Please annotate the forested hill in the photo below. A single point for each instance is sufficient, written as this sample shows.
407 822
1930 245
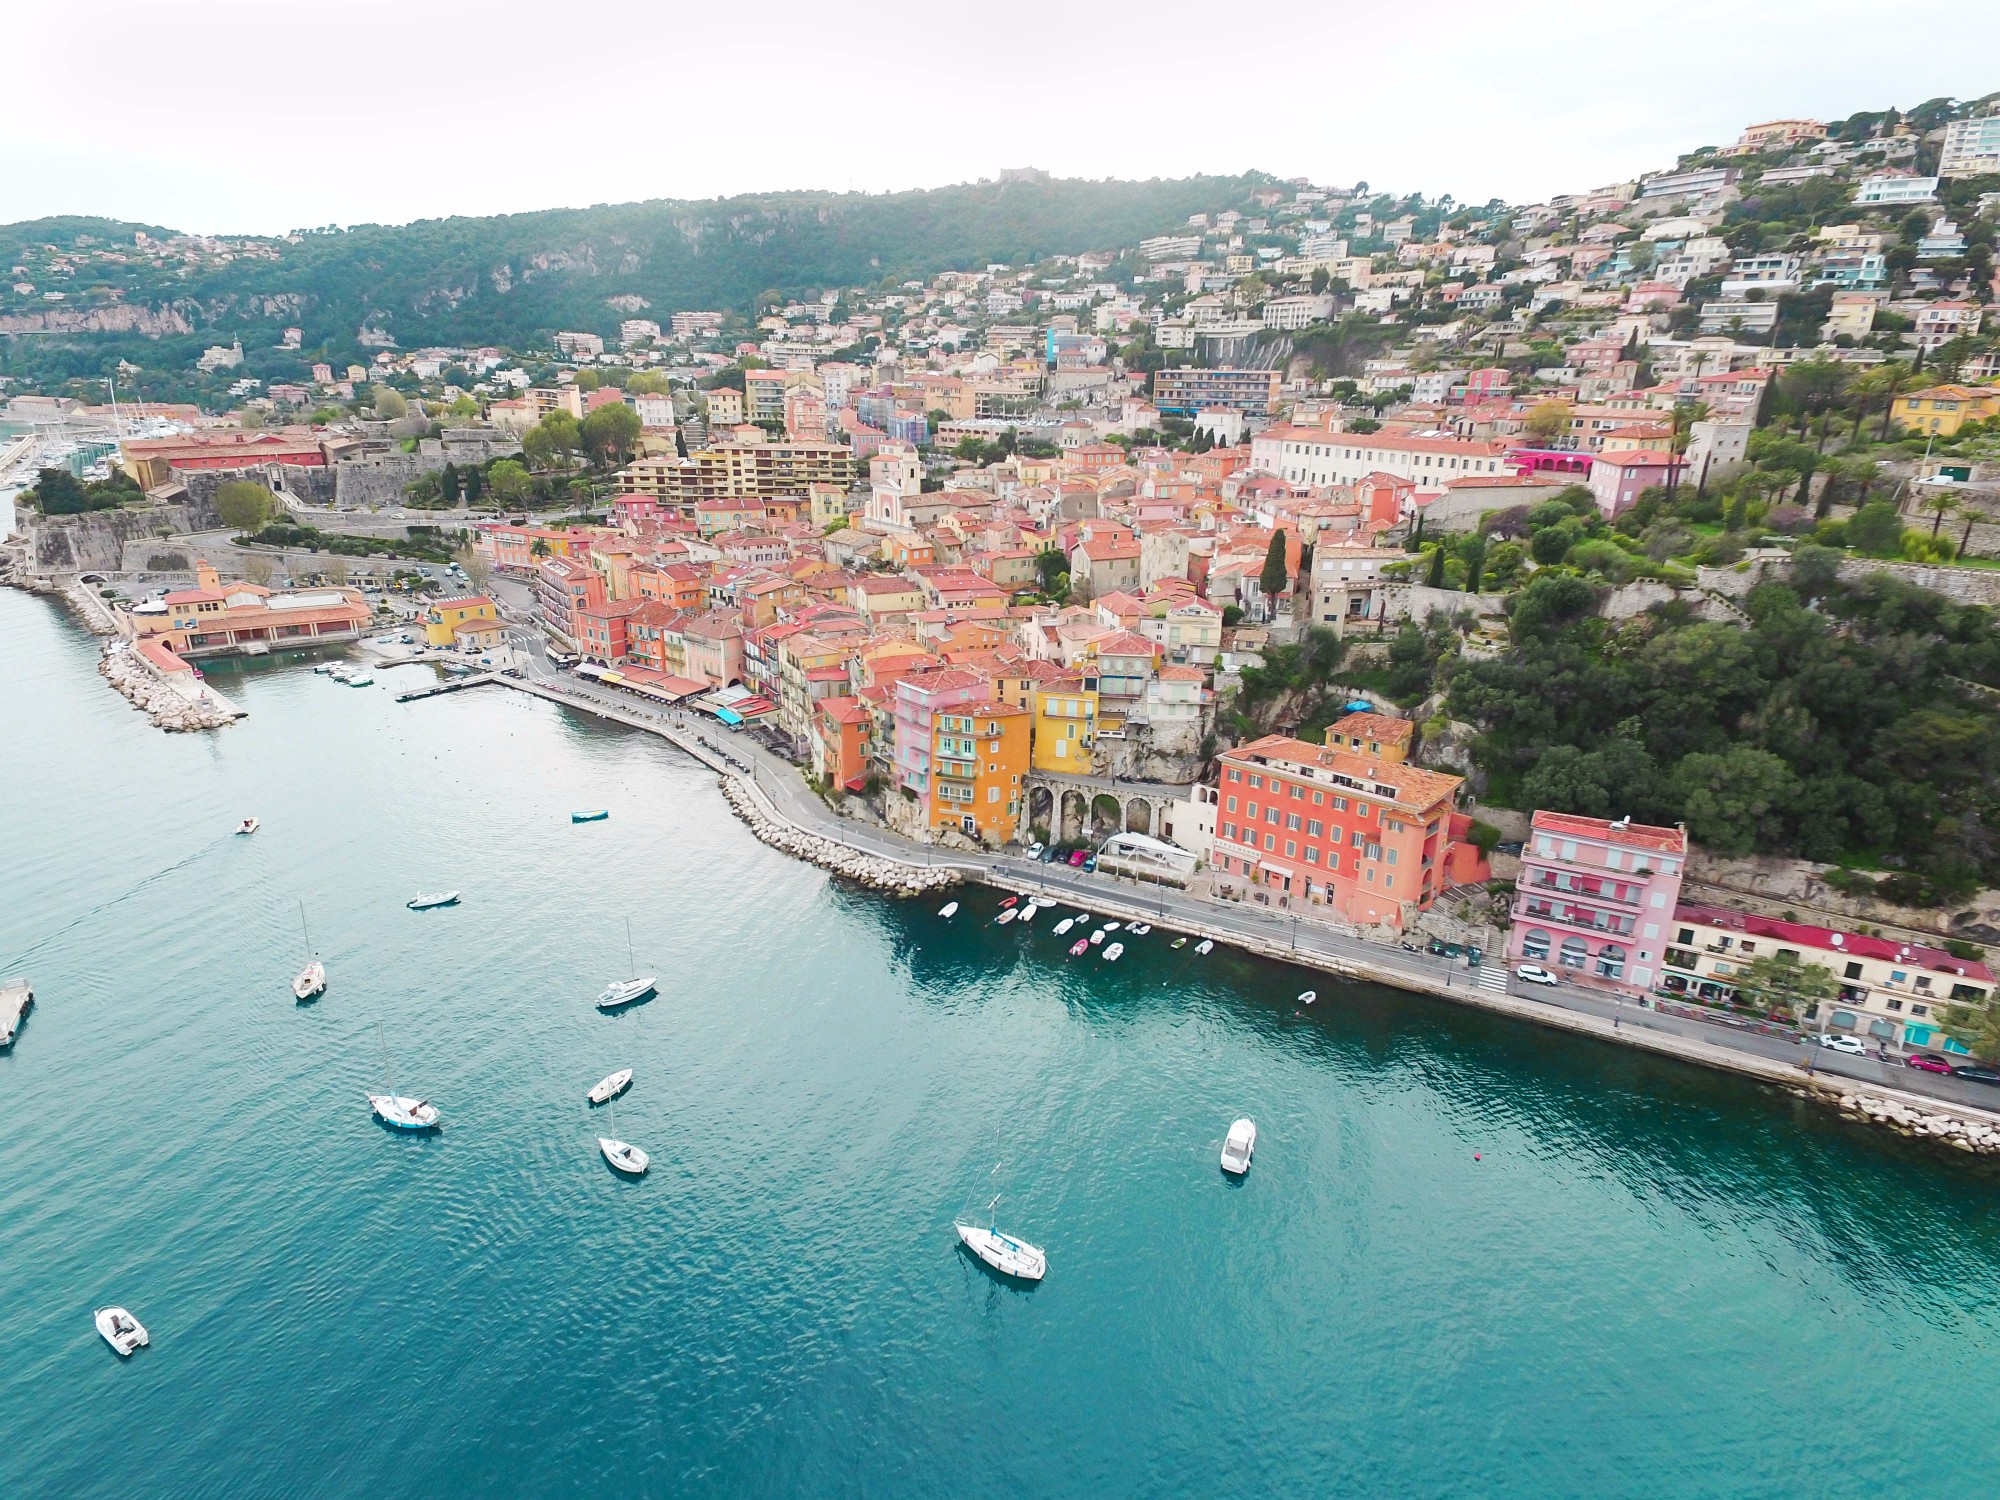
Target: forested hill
501 280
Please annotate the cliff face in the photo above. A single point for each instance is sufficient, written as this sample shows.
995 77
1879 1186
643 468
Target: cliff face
96 542
116 318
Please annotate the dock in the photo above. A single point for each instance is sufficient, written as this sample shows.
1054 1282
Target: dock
450 685
16 998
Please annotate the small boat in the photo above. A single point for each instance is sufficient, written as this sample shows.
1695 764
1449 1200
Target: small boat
323 668
1010 900
625 991
1114 952
1110 926
421 902
395 1109
610 1088
1306 997
590 815
121 1330
1004 1253
1028 912
1098 936
1179 942
1139 929
1064 925
948 910
1236 1149
1081 945
310 982
359 679
626 1157
337 672
1007 915
1205 945
248 825
1083 919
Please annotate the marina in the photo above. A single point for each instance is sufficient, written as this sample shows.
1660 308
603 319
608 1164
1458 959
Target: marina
861 1062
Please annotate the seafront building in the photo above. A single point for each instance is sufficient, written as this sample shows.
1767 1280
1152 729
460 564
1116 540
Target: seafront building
215 618
1595 898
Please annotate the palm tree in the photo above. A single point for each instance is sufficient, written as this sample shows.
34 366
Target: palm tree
1685 415
1940 504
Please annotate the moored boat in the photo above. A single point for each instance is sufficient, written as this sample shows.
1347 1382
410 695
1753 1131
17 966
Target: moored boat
1306 997
1237 1148
1110 926
1081 945
590 815
625 991
421 902
121 1330
1114 952
607 1089
625 1156
1204 945
1139 929
310 982
1005 917
1179 942
1028 912
1064 925
397 1110
359 679
948 910
1098 936
1004 1253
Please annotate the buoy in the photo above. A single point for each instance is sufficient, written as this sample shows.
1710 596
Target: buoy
1475 1156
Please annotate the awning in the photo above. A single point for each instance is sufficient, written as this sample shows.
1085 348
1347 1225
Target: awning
729 716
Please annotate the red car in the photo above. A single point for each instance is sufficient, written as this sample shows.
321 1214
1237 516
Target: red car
1077 856
1929 1062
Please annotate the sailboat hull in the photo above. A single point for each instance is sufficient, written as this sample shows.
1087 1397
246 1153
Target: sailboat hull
311 982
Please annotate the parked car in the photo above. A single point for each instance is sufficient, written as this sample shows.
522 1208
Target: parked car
1535 974
1978 1072
1076 856
1089 864
1851 1045
1927 1062
1035 849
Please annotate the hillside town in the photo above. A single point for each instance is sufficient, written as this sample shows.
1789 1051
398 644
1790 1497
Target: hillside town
1149 555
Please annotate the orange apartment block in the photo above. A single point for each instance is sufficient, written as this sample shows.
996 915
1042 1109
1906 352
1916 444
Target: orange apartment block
979 762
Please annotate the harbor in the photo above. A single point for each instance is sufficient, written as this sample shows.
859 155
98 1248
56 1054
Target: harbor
822 1058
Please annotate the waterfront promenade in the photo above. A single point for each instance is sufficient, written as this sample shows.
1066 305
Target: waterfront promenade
785 797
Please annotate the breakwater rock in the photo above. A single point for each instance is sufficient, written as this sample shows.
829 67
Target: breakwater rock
1929 1124
876 871
168 708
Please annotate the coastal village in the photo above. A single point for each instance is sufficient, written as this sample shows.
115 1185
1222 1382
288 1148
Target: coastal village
1007 559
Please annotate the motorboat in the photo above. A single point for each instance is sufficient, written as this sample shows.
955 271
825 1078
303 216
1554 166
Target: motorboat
337 672
1083 919
607 1089
1006 916
359 679
1110 926
625 991
248 825
626 1157
1236 1149
1114 952
1004 1253
403 1113
1081 945
1306 997
310 982
121 1330
323 668
1139 929
1028 912
1064 925
1010 901
1098 936
1179 942
948 910
590 815
1205 945
421 902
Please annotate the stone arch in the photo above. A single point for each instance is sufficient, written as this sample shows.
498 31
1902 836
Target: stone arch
1104 814
1075 808
1139 816
1041 808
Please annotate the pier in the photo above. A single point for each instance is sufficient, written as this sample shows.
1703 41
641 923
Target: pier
449 685
16 998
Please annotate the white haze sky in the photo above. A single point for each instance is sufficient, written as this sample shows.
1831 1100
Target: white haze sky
223 116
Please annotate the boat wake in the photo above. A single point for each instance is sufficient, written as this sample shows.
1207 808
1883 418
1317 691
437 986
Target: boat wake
143 884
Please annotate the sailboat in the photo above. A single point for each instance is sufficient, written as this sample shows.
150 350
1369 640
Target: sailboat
625 991
623 1155
394 1109
1004 1253
310 982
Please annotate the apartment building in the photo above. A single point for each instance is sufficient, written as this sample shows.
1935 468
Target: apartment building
1971 148
979 761
1186 391
1371 840
1065 727
740 471
1891 992
1595 899
1311 455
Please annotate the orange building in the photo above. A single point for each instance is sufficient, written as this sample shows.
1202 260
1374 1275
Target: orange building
840 743
1368 835
979 760
215 618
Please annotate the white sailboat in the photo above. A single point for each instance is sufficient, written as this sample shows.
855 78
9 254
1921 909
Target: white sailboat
1004 1253
625 991
310 982
623 1155
395 1109
610 1088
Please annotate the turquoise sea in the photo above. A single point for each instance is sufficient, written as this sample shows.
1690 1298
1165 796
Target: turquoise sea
1472 1258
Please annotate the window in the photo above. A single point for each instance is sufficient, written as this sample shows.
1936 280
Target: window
1271 815
1853 971
1313 828
1229 830
1232 804
1611 961
1681 958
1332 861
1291 849
1340 804
1256 780
1250 809
1392 856
1271 841
1294 791
1920 1010
1318 797
1292 821
1312 855
1574 953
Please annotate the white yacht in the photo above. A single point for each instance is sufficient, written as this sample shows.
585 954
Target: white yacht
610 1088
625 991
310 982
1004 1253
624 1156
1236 1149
121 1330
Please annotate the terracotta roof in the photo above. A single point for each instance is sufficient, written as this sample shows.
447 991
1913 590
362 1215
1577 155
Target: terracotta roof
1633 835
1405 785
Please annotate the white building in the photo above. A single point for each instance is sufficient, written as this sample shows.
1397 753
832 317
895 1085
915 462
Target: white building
1971 148
1309 455
1297 312
1886 188
637 330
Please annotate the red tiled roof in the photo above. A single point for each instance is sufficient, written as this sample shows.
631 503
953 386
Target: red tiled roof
1809 935
1633 835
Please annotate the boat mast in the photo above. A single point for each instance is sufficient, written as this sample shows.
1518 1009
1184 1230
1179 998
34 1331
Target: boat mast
631 963
307 930
383 1042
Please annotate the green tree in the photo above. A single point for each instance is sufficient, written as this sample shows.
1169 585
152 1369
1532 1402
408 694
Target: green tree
1775 983
1876 530
58 492
388 403
1434 575
610 433
244 506
450 487
1273 578
1734 802
551 442
1475 562
1975 1025
508 480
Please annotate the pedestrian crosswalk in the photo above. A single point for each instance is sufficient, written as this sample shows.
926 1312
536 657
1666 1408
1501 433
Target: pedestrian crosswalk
1493 977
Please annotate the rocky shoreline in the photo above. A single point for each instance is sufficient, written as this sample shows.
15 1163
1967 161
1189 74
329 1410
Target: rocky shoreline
1925 1124
168 709
872 870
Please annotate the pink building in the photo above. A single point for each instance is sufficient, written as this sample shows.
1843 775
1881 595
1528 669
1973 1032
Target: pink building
1595 899
1617 478
920 697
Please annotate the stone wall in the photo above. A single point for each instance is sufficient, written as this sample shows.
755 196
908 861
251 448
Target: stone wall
1417 601
96 542
1965 585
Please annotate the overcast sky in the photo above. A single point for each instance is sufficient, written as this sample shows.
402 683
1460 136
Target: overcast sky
266 115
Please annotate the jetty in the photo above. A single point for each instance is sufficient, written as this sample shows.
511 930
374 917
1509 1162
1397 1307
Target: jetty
17 997
449 685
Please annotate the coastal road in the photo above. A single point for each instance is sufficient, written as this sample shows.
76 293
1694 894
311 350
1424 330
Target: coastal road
780 783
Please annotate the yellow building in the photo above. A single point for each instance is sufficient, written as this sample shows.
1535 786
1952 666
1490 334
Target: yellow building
829 504
441 620
1943 409
1065 727
979 760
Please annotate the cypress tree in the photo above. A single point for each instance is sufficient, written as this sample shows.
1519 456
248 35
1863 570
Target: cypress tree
1272 579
